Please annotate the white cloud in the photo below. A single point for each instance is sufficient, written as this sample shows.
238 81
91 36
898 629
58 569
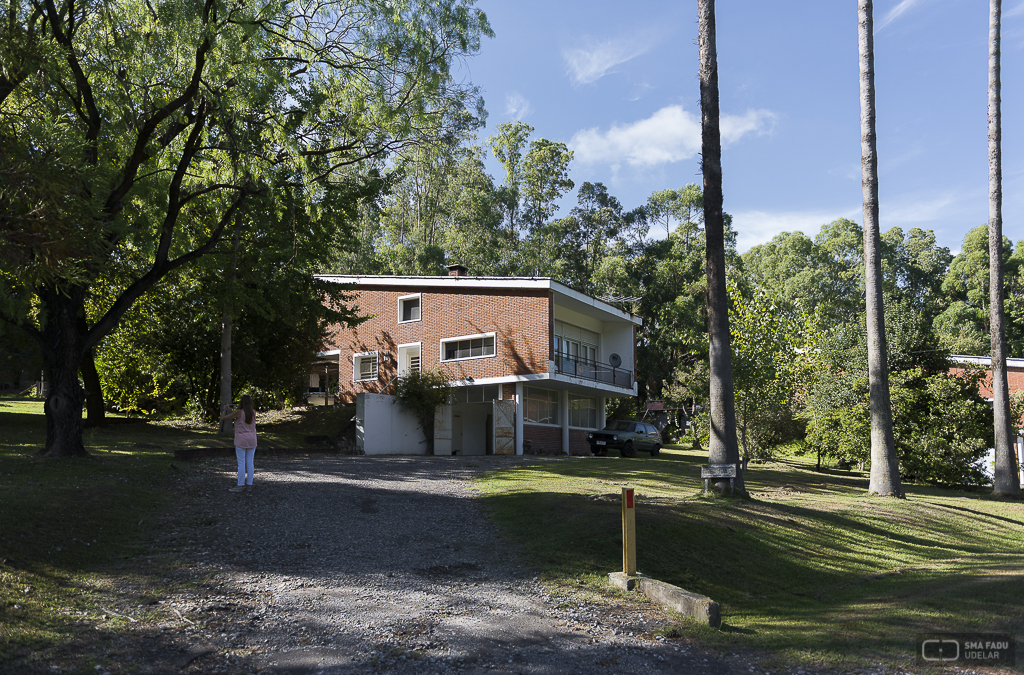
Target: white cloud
759 227
592 62
928 211
671 134
516 106
1016 11
897 11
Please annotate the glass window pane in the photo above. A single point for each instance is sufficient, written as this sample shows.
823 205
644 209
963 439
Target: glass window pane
411 309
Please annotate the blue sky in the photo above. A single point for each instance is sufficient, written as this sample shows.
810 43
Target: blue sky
618 83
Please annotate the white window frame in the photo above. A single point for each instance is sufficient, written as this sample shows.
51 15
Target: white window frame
355 367
402 299
419 348
493 335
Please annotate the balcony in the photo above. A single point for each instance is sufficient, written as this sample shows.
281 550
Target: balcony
589 369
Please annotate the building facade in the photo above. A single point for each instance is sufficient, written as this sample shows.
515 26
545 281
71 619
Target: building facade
529 349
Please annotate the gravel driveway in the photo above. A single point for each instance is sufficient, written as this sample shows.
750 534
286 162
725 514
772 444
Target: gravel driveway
380 565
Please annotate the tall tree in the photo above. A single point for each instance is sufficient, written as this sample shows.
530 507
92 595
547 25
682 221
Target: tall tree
159 120
1006 480
885 475
723 448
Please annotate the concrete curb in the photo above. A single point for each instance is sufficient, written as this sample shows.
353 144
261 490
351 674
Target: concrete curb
699 607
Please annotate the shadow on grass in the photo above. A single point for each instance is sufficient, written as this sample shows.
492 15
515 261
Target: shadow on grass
835 573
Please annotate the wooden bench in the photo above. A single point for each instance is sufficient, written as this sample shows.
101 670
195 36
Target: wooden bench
709 471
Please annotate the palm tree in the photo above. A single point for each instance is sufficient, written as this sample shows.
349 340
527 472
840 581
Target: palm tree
885 475
1006 481
723 448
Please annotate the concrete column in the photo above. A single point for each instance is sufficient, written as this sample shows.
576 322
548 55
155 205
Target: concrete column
1020 457
563 417
600 412
520 408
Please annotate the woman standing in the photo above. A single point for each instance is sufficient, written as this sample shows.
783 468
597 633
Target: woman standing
245 441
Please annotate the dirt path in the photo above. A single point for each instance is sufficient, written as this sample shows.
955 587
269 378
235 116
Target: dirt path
372 565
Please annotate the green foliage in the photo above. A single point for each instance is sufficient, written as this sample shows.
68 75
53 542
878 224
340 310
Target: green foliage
941 425
423 392
765 363
137 133
963 326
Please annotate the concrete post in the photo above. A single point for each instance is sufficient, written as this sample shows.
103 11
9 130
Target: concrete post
600 412
628 533
563 404
520 409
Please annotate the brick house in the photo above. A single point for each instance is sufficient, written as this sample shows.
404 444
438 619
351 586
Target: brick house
528 353
1015 382
1014 372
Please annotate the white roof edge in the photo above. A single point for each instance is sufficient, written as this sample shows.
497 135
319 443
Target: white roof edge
984 360
329 352
542 283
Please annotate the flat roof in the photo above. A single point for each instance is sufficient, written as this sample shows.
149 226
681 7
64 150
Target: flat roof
574 299
985 360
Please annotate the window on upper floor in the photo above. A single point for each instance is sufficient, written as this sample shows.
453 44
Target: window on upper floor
364 367
467 347
410 308
575 349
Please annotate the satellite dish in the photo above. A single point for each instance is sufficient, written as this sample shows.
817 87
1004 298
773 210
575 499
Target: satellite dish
615 360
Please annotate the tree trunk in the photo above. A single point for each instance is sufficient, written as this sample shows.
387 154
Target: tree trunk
226 426
723 448
885 475
62 358
96 413
1006 481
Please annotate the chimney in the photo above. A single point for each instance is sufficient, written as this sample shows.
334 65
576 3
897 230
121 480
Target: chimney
457 270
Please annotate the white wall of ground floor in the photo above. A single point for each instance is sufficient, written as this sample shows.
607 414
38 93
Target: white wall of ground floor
385 427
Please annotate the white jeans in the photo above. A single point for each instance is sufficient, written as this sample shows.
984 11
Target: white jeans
245 470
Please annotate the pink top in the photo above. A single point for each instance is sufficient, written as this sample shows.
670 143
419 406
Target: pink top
245 434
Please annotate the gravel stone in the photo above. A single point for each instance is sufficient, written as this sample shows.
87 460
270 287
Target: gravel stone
385 565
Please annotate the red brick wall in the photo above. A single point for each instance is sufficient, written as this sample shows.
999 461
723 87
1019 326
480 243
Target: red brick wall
545 440
1014 377
578 443
519 318
548 440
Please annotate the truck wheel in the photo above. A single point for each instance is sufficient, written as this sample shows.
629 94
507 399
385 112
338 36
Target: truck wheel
627 450
655 449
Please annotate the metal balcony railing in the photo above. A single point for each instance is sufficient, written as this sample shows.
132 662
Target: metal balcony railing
592 370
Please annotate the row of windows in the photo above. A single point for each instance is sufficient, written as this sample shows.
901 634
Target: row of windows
542 407
365 366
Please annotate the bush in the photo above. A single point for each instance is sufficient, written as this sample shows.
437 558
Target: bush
422 392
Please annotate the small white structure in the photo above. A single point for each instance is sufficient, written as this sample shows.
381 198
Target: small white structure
395 429
385 427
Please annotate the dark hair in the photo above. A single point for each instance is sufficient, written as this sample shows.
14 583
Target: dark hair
247 407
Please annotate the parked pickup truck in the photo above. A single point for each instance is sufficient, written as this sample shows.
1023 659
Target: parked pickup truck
627 437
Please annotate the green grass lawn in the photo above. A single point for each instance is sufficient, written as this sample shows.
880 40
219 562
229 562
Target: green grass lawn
64 522
810 569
